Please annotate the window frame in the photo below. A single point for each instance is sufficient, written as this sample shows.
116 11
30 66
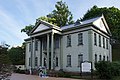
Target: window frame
57 43
80 39
36 45
56 61
36 61
95 39
99 40
96 58
106 43
80 59
68 61
103 42
30 47
68 40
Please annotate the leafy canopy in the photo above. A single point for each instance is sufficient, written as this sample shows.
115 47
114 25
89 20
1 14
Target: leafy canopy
112 16
17 55
61 16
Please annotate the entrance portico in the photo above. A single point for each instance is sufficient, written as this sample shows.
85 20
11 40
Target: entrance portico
46 37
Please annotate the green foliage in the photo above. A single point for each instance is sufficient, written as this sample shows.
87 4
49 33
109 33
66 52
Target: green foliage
27 29
112 16
17 55
3 50
4 59
48 19
62 14
107 70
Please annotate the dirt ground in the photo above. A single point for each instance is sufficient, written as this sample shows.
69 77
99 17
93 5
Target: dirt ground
16 76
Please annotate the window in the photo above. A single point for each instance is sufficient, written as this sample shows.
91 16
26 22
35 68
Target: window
100 58
107 58
44 44
103 42
68 60
106 43
103 58
29 47
36 61
95 58
80 39
56 61
36 45
95 39
68 40
57 43
80 59
44 62
99 41
29 61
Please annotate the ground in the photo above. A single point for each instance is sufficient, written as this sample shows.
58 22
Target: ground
16 76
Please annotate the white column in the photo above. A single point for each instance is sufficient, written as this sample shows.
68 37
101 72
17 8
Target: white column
52 49
47 51
33 54
61 53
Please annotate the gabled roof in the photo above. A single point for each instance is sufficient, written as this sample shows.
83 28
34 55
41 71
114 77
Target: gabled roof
98 22
43 25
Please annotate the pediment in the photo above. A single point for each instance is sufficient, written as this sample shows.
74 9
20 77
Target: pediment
102 25
41 27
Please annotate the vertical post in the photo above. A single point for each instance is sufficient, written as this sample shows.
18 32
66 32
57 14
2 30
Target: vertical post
52 49
47 51
61 53
33 61
31 47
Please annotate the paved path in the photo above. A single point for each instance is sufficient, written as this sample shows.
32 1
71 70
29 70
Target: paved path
16 76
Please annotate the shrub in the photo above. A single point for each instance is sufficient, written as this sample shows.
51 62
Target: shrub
106 70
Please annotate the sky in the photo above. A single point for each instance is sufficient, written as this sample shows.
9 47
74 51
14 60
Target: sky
16 14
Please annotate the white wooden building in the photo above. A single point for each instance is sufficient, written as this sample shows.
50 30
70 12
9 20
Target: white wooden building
64 48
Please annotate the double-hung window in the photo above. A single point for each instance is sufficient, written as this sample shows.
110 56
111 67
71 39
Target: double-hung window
106 43
56 61
68 60
99 41
36 45
95 39
80 39
36 61
68 40
80 59
30 47
95 58
103 42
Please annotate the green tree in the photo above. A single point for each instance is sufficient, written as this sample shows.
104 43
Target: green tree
61 16
27 29
112 16
4 58
16 55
